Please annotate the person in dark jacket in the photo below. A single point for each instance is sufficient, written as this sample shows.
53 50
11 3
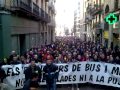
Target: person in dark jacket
32 83
2 73
117 60
13 53
15 61
33 68
3 86
50 74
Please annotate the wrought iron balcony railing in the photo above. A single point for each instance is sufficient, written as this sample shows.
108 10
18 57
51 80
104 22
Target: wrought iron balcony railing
35 9
42 14
28 9
47 17
89 8
51 6
52 22
24 6
98 25
96 9
20 5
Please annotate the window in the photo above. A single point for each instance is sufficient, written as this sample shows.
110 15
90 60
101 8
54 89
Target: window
116 4
107 9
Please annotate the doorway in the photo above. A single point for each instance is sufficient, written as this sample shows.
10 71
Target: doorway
22 43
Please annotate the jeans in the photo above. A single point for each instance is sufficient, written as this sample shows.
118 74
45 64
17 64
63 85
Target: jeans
52 86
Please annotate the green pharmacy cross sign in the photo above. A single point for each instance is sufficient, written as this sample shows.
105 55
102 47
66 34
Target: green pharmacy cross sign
111 18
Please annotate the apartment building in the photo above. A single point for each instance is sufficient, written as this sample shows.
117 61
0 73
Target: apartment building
112 32
94 19
96 11
25 24
77 20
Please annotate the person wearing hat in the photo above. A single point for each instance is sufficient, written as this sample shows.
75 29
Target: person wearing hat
50 74
33 68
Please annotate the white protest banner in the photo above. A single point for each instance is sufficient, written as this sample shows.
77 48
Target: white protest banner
15 77
79 72
103 73
71 73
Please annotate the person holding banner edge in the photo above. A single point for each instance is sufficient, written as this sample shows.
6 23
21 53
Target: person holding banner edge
3 86
33 68
50 74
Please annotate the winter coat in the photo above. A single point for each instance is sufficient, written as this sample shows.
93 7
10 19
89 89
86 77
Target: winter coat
50 73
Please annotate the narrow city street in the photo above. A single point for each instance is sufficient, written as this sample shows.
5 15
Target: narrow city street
59 44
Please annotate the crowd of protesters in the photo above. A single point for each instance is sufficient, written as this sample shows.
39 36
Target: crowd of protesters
66 50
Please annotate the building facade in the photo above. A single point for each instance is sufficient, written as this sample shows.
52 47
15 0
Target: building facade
77 20
25 24
100 31
94 19
112 32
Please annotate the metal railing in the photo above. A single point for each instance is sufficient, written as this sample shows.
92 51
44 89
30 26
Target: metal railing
51 6
25 6
44 16
96 9
47 17
42 13
35 9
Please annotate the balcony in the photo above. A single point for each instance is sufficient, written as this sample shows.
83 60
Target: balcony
44 16
89 8
35 9
27 10
52 23
97 9
25 6
89 17
19 5
51 6
98 26
47 18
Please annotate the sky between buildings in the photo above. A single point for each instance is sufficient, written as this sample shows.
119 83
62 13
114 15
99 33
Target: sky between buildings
65 14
